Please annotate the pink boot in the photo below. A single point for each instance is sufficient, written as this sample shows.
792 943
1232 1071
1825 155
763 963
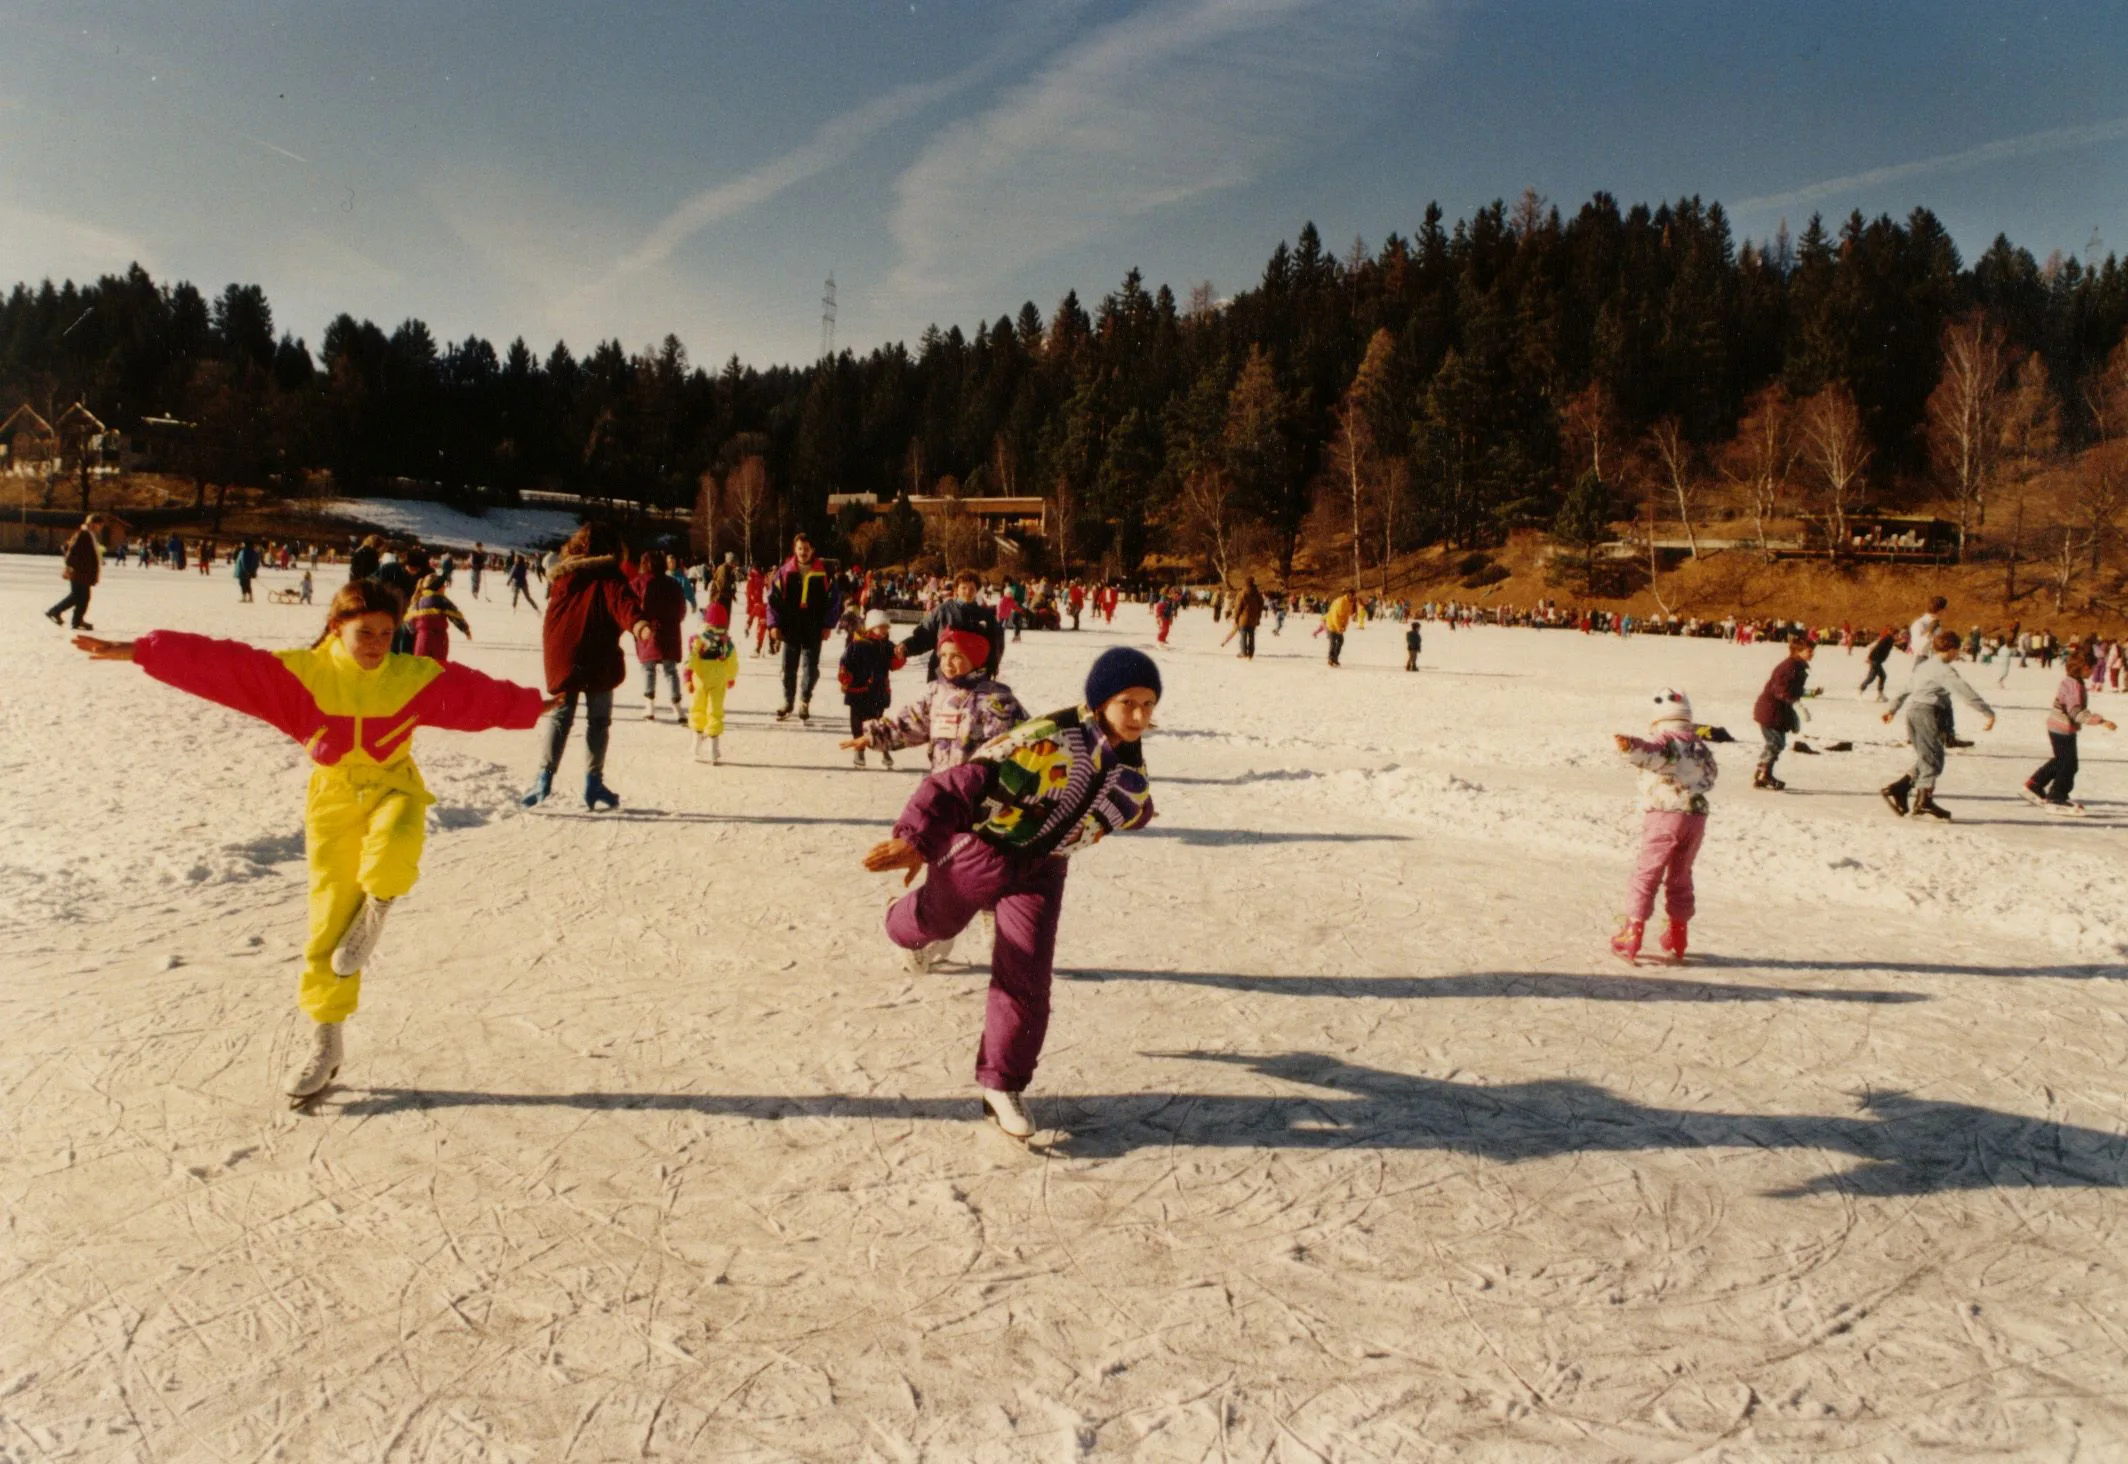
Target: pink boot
1673 942
1626 944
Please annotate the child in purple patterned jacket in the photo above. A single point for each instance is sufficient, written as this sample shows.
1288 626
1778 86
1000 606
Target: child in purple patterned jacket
955 714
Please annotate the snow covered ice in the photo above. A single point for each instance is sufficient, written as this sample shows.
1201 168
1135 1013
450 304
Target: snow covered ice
647 1145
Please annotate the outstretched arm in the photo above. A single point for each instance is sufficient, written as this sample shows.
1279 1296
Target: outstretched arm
238 676
465 700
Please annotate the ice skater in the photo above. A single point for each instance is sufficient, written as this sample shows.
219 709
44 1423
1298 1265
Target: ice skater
865 675
354 706
2055 779
952 716
1880 651
1676 772
996 834
712 670
1413 644
432 617
1778 709
1927 703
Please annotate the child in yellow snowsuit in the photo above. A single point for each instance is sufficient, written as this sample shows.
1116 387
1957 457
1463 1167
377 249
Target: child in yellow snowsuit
354 705
712 670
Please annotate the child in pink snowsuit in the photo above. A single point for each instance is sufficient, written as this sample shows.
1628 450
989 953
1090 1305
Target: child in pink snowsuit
1676 771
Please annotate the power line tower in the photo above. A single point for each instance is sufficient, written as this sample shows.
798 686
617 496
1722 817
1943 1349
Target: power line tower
827 320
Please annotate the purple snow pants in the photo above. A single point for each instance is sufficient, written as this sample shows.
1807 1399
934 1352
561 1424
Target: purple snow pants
1669 842
1027 894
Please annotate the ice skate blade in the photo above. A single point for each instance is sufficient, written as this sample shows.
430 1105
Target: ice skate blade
302 1101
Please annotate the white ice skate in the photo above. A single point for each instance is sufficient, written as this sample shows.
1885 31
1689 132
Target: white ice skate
650 709
925 958
716 750
322 1066
2069 809
359 941
1008 1113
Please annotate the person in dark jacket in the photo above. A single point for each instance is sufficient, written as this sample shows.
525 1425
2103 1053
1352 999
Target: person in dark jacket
803 607
82 570
1248 614
962 612
724 581
865 676
590 606
1775 710
245 563
665 607
1879 653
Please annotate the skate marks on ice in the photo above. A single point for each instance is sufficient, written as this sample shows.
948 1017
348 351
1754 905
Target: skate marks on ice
1554 985
1909 1146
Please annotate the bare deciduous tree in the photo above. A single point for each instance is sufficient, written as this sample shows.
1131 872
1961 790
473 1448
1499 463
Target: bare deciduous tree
702 528
1965 416
1761 457
1672 454
1837 449
748 492
1352 447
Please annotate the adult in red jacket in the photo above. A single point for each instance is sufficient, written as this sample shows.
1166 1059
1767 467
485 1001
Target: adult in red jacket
665 608
590 606
83 567
803 606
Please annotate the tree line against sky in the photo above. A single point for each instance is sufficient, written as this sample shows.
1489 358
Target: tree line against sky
1518 368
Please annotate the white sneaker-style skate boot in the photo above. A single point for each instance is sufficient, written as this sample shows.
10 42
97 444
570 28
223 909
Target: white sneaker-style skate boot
1008 1113
359 941
925 958
650 709
702 741
716 750
321 1067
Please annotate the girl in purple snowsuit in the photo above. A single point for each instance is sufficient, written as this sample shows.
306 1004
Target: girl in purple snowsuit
996 833
1676 771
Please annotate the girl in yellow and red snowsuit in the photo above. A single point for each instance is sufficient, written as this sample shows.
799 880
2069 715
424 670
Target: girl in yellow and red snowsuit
365 814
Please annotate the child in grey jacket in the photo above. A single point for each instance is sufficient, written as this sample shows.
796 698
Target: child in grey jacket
1927 703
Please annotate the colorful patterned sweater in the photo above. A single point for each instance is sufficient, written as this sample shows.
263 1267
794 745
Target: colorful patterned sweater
1052 786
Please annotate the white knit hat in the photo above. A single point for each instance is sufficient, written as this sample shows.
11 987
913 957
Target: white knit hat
1671 705
876 620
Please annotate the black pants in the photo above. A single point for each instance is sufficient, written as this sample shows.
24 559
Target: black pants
77 600
1248 642
2056 777
1876 676
1337 645
805 649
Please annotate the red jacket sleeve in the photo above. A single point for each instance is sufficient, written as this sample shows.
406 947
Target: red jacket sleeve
240 677
623 603
942 806
464 700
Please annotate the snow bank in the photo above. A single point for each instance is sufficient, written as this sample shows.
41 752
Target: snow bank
434 524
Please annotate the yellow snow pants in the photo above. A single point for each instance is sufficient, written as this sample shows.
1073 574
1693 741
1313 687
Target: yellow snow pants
364 826
712 680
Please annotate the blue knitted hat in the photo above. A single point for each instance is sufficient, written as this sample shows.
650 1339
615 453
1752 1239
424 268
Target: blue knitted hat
1119 669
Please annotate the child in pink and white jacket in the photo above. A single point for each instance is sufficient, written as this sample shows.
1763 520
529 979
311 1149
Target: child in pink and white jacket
955 715
1676 771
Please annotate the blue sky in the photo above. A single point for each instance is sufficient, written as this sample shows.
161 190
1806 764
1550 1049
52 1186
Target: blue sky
592 171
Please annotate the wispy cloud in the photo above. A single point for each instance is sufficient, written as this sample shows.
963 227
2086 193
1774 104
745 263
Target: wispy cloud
1183 99
36 244
273 147
2030 144
833 143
